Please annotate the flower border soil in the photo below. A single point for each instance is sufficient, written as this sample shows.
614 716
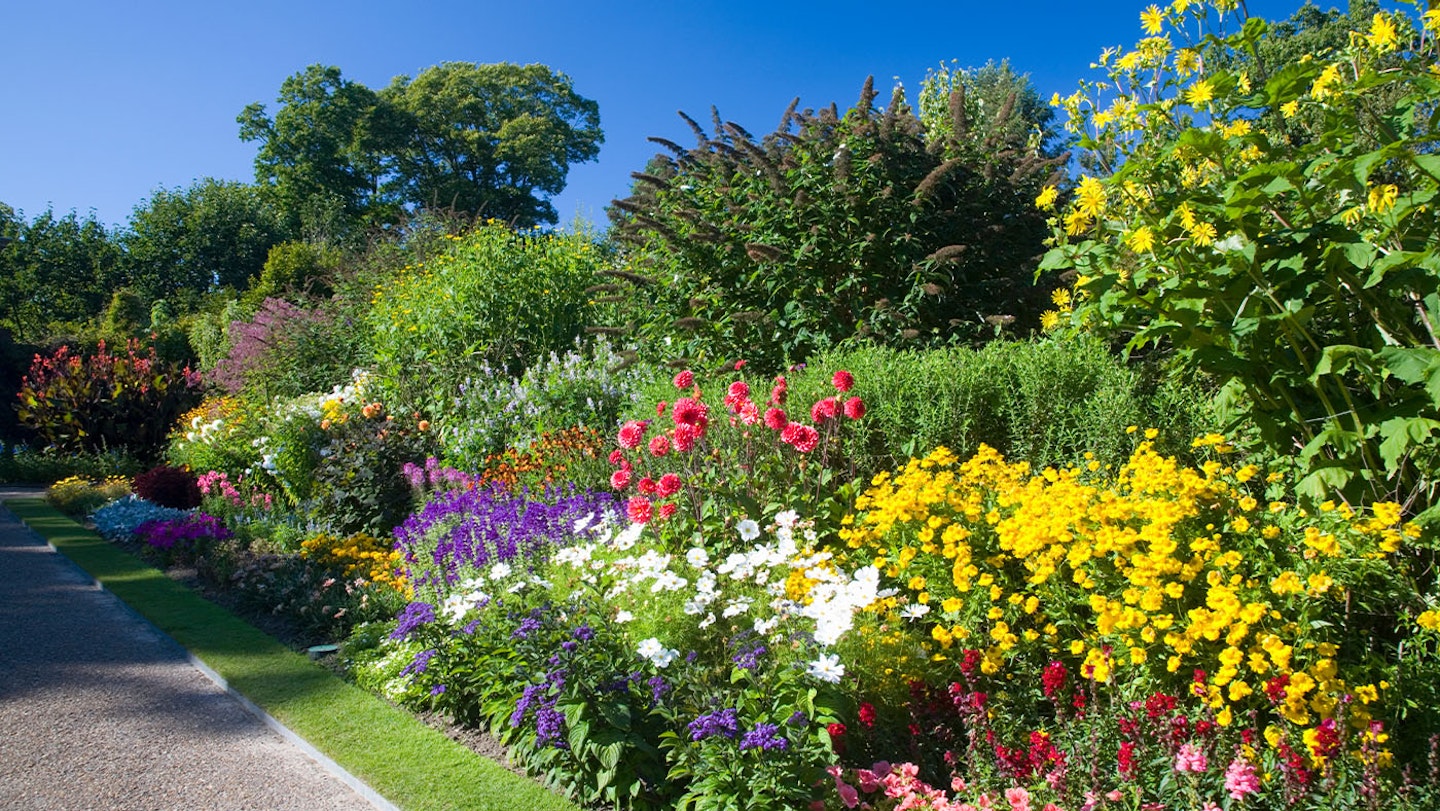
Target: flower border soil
391 751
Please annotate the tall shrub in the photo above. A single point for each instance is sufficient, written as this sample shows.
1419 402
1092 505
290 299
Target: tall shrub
497 296
105 399
1275 224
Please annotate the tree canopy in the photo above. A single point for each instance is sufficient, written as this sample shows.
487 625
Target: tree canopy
492 140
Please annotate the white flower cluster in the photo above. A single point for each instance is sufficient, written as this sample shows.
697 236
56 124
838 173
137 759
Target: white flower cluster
205 432
751 584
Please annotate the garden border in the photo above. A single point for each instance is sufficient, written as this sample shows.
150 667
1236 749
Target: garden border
382 752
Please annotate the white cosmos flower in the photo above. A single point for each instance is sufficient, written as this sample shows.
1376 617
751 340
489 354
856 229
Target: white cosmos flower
668 581
748 529
659 655
739 605
787 519
827 668
697 557
627 537
623 616
764 627
914 611
499 571
454 607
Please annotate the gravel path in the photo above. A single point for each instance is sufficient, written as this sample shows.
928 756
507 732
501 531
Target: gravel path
98 710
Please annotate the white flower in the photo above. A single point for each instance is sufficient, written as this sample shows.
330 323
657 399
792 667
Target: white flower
668 581
499 571
623 616
697 557
748 529
658 655
764 627
455 607
582 523
739 605
787 519
827 668
914 611
627 537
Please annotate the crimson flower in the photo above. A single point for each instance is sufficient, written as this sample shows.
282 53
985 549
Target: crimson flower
843 380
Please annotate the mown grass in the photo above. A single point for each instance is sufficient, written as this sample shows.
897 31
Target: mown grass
406 762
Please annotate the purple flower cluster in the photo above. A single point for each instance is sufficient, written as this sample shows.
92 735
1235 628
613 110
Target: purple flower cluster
420 663
749 656
541 698
764 737
434 477
411 617
724 722
183 532
464 531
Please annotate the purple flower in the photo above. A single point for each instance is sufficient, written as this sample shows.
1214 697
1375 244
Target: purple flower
437 689
411 617
461 532
724 722
584 633
527 626
798 719
749 657
764 737
658 688
184 532
420 663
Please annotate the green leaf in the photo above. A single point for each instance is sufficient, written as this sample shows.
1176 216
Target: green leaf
1400 434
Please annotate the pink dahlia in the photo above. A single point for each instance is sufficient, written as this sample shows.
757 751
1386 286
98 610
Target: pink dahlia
854 408
638 509
620 479
843 380
668 485
631 433
823 410
685 379
659 445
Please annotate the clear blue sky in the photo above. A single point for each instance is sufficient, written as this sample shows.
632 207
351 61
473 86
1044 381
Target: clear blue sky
103 102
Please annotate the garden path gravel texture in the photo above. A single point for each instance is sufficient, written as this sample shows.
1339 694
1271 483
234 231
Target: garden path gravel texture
99 710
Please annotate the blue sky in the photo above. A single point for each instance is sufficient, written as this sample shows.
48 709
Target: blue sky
103 102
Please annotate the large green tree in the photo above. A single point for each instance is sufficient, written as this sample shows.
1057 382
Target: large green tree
492 140
489 140
186 242
55 272
324 151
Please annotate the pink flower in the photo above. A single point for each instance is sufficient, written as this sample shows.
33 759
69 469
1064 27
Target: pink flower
749 413
777 394
685 436
660 409
739 364
668 485
738 390
1241 779
667 510
1191 758
638 510
617 457
631 433
1018 798
659 445
843 380
620 479
647 486
800 436
776 419
854 408
685 379
688 411
823 410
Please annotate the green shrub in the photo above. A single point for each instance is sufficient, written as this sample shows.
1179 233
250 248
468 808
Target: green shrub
1046 402
496 297
21 464
79 496
840 226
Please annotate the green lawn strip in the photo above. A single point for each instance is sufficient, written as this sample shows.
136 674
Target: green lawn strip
408 763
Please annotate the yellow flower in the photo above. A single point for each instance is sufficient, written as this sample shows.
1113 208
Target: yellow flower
1090 197
1203 233
1046 199
1152 19
1200 93
1326 85
1141 239
1382 198
1049 320
1382 36
1290 108
1429 620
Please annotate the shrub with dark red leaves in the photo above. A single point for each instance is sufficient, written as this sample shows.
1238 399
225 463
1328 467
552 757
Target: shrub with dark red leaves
169 487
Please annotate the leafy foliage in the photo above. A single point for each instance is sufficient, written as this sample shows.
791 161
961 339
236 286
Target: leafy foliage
497 297
286 350
834 227
169 487
54 271
1301 272
106 400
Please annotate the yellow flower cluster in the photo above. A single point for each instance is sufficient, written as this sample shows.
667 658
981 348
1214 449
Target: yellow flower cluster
1139 576
362 556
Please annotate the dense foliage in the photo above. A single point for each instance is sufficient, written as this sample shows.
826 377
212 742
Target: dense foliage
1298 268
837 226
